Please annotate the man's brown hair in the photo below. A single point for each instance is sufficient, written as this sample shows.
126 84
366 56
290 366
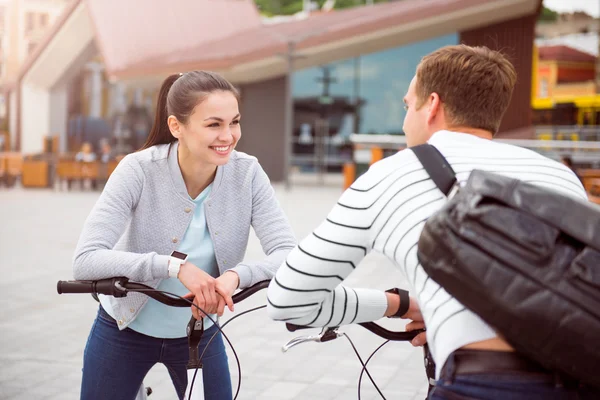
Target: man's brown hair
475 84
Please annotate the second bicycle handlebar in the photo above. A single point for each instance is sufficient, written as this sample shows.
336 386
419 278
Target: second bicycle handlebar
374 328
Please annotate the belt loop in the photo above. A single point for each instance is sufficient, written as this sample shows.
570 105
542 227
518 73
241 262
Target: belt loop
449 369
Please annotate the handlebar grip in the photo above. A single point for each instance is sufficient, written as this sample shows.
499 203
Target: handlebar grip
111 286
75 287
294 328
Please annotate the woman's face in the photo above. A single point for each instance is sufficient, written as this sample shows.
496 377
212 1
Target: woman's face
212 130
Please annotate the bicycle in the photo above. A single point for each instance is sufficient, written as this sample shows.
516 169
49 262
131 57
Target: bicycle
120 286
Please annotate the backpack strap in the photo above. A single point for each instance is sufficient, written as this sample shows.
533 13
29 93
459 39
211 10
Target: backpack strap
436 166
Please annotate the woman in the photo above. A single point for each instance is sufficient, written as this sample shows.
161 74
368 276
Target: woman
186 191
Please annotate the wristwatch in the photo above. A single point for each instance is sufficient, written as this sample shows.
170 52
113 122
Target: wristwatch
176 260
404 302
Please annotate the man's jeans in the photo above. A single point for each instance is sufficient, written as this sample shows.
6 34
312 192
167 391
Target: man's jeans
507 385
116 362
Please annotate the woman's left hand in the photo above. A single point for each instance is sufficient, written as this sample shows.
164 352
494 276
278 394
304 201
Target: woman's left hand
228 282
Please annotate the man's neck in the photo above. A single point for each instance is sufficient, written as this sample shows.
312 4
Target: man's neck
482 133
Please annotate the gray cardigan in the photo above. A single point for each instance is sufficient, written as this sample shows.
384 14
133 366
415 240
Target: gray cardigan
144 211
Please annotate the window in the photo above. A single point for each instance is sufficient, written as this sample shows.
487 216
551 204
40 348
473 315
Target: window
543 88
29 21
373 84
43 20
2 16
31 47
357 95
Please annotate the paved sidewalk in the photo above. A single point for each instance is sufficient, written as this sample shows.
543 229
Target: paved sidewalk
43 334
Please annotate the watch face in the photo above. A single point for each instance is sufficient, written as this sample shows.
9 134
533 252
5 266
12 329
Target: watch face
179 255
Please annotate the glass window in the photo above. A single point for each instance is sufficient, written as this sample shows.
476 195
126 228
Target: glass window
29 21
43 20
384 79
544 87
357 95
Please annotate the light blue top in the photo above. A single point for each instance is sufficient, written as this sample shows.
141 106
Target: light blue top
162 321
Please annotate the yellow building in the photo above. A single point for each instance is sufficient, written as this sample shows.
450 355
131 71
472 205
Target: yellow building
564 90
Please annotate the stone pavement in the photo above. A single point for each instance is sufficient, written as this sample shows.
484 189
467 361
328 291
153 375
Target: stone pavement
43 334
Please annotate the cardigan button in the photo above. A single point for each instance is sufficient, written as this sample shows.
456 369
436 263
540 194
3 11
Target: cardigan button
187 209
175 240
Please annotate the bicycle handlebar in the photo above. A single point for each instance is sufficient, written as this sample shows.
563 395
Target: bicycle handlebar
119 287
374 328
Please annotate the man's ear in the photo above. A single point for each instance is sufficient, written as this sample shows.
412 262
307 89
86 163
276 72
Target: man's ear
174 126
435 107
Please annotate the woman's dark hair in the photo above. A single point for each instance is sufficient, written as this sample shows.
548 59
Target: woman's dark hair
178 96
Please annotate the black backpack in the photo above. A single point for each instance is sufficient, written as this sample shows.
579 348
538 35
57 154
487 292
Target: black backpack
523 258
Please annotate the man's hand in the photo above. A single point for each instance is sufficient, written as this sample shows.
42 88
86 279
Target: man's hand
414 312
421 338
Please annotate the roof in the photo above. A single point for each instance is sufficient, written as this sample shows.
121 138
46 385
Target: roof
146 39
564 53
263 41
48 37
586 42
130 31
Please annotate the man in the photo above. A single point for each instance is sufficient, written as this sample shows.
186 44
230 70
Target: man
455 102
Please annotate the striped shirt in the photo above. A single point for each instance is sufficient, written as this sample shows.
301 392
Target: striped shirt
385 211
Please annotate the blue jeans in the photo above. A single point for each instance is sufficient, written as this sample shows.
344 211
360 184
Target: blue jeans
504 385
116 362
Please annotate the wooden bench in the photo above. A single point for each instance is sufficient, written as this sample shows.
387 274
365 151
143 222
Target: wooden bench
69 171
35 174
11 167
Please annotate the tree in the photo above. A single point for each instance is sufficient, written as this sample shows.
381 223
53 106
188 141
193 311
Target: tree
548 15
289 7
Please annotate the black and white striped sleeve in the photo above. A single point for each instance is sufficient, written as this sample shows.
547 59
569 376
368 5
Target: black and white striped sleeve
307 288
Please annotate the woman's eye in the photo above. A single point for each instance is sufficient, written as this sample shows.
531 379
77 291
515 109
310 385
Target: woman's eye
236 122
215 125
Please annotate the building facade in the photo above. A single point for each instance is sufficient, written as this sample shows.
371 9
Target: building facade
351 69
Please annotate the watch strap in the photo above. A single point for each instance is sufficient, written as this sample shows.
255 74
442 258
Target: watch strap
404 302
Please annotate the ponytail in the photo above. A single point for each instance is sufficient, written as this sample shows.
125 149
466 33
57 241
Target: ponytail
160 133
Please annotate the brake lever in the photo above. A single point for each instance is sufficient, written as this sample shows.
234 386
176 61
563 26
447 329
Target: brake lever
327 334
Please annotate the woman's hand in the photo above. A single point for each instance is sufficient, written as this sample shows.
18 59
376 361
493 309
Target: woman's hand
205 289
228 283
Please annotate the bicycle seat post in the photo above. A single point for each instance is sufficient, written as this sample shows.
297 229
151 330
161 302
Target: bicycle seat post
195 329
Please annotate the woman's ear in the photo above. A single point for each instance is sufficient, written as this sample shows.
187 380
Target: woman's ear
174 126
